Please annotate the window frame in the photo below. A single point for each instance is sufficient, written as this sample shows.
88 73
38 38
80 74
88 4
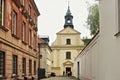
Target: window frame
23 66
30 67
2 66
23 31
23 2
68 41
2 12
68 55
29 10
35 41
14 23
30 37
35 67
14 65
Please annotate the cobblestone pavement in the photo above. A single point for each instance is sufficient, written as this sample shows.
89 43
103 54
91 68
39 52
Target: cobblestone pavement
60 78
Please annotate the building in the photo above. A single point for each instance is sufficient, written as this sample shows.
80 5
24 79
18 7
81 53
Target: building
45 51
18 39
66 47
86 63
105 52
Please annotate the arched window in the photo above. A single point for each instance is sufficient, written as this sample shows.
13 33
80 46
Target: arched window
68 41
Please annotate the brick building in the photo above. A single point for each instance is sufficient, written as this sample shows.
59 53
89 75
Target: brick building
18 39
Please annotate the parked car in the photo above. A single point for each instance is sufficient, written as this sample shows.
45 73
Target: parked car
52 74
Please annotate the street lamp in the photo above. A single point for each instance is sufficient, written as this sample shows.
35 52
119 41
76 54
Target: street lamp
39 57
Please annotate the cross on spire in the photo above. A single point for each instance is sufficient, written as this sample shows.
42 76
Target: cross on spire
68 4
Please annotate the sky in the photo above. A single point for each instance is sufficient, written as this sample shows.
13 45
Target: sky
52 12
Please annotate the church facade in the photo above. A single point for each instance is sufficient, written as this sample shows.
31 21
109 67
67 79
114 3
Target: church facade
66 47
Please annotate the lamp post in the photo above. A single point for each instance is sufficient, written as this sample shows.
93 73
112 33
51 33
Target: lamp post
39 57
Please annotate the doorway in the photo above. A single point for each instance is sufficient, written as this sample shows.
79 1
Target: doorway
68 70
78 66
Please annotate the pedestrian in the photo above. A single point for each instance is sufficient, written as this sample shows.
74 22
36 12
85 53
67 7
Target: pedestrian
68 73
63 73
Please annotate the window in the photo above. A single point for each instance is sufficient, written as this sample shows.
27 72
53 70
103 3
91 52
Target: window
35 20
14 65
30 67
23 66
30 37
68 55
34 41
2 64
14 23
34 67
29 10
23 31
23 2
2 12
68 41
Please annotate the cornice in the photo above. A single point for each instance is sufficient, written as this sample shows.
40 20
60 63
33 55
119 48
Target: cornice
6 42
35 7
67 47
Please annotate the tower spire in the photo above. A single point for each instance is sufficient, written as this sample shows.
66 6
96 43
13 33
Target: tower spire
68 11
68 18
68 4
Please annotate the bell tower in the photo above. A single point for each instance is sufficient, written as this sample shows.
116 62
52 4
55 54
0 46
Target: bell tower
68 18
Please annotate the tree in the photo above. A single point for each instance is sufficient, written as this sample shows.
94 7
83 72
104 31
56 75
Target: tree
93 19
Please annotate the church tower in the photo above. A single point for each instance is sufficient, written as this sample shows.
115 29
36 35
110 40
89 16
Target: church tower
68 19
66 47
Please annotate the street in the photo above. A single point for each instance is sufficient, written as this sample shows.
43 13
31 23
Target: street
60 78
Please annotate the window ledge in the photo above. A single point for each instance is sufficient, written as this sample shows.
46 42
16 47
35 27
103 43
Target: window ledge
15 36
4 28
35 50
14 76
24 42
68 59
117 34
30 46
3 77
23 75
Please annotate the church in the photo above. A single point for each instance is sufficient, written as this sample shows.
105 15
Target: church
66 47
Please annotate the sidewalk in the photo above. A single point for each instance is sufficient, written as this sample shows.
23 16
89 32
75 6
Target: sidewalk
60 78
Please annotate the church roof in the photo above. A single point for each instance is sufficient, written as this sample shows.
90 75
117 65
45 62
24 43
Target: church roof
68 30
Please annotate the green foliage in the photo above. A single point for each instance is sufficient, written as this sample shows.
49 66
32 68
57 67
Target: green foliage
86 41
93 19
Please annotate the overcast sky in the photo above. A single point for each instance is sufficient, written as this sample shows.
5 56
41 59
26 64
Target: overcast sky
52 12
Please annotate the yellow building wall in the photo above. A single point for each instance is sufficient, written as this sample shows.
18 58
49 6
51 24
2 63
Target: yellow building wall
59 49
